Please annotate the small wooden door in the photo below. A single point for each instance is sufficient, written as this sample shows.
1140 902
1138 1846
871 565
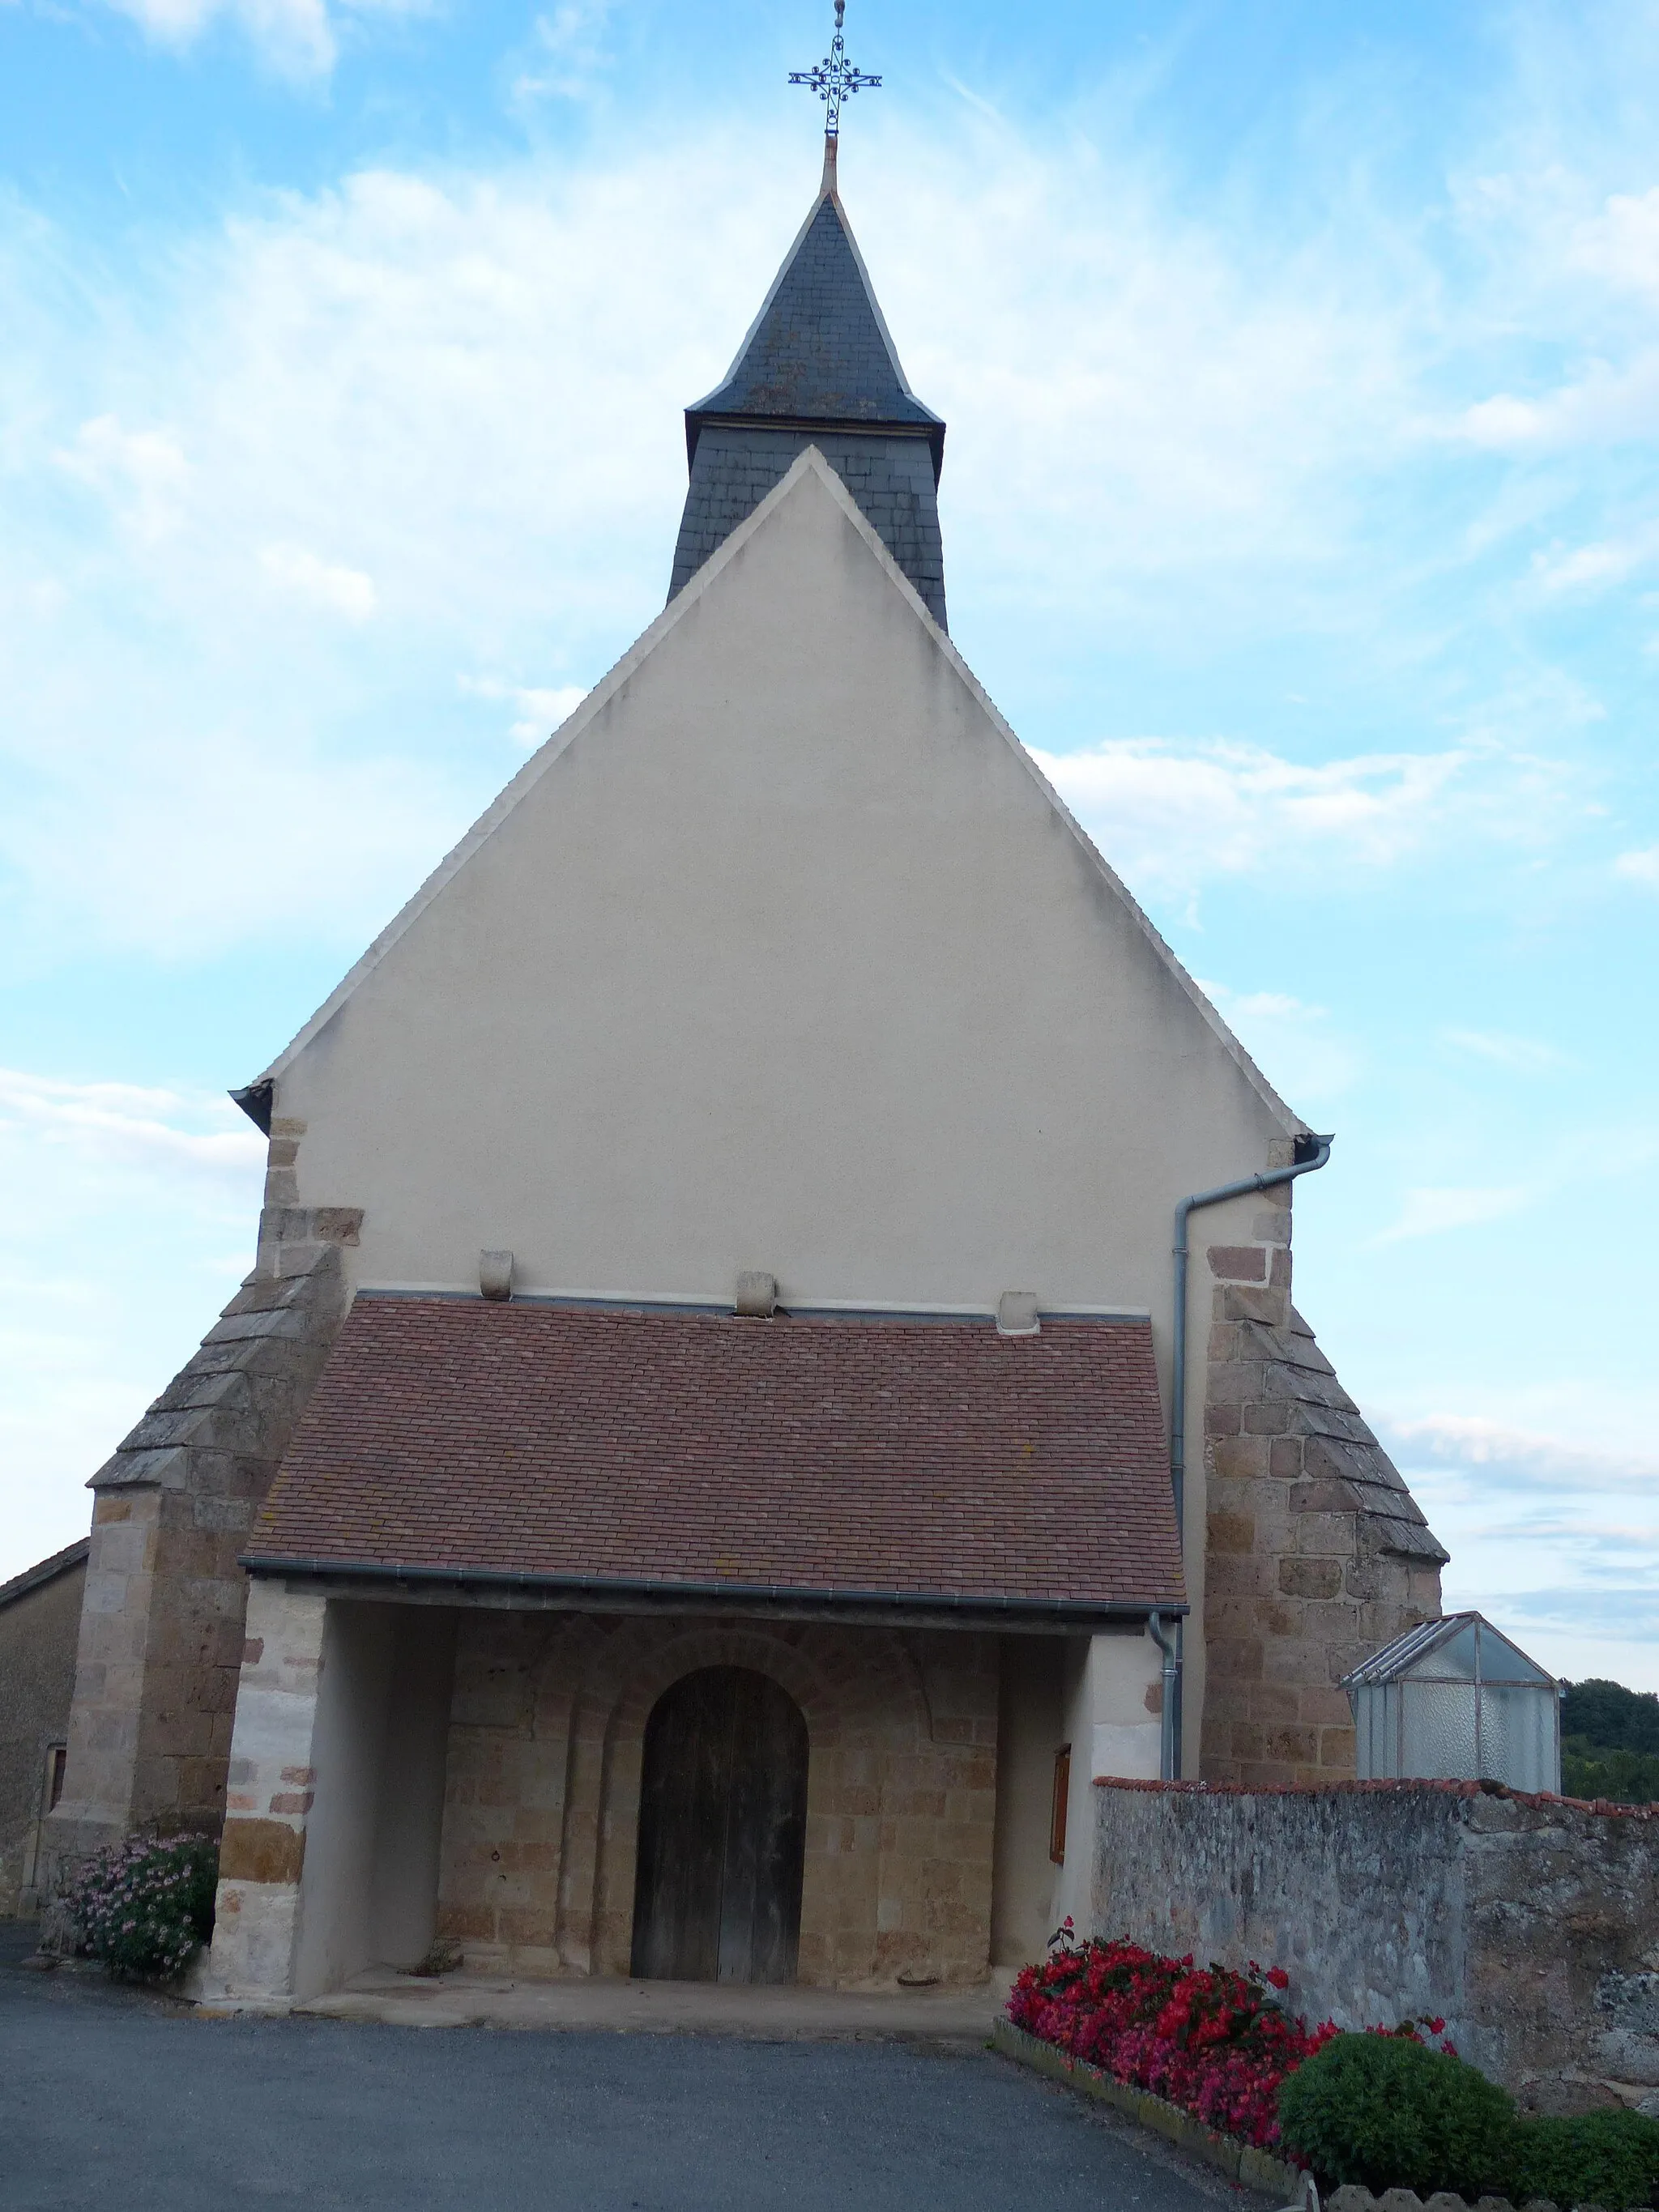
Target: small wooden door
722 1832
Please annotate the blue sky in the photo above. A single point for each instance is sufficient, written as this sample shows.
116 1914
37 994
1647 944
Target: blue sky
1301 511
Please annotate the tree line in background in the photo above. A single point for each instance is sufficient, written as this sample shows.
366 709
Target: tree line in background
1610 1742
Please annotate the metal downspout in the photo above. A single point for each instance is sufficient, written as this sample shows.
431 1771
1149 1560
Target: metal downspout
1311 1153
1168 1759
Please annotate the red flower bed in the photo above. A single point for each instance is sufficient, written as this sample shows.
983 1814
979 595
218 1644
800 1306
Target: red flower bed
1208 2039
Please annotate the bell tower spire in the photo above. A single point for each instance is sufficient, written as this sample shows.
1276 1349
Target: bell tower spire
819 367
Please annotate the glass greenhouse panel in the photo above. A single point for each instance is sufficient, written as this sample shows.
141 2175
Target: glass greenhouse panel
1454 1701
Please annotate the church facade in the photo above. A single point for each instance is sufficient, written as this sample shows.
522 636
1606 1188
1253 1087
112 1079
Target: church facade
687 1486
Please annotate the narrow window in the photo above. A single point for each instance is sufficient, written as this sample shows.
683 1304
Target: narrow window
1057 1810
57 1759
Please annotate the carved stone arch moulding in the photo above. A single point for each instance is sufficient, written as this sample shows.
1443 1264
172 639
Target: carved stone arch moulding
768 1650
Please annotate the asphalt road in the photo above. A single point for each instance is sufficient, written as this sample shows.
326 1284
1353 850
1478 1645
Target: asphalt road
110 2099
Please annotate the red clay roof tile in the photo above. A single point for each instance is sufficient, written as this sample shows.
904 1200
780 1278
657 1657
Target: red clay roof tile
827 1455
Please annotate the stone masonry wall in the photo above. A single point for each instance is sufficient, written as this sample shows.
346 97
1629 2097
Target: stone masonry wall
1531 1924
547 1732
40 1621
161 1641
1317 1553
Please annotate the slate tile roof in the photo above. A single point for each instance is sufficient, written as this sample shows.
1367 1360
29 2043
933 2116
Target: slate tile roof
842 1456
817 368
737 464
819 349
1341 1448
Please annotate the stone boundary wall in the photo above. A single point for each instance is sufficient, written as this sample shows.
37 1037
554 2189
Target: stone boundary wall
1529 1924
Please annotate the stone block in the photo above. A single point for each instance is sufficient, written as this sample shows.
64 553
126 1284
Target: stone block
1269 1417
1338 1750
1305 1578
1238 1263
1239 1302
1230 1531
1239 1458
1330 1536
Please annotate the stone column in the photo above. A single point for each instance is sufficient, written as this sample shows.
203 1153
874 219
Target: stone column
272 1789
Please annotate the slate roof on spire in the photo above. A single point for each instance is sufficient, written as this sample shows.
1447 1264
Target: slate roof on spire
819 350
819 367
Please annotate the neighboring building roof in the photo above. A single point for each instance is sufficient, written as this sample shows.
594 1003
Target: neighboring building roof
47 1570
841 1457
819 350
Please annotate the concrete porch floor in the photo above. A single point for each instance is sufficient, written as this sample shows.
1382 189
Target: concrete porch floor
780 2013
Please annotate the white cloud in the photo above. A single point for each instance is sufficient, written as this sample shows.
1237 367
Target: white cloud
540 709
1525 1054
1170 816
569 53
1551 1536
341 591
1622 242
1504 421
295 38
129 1126
1640 867
1536 1456
124 1202
1186 417
1263 1005
1591 567
143 473
1433 1212
1292 1043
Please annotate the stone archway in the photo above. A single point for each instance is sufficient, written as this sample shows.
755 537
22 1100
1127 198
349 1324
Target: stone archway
722 1831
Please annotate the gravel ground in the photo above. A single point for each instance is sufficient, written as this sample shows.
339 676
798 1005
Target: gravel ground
110 2098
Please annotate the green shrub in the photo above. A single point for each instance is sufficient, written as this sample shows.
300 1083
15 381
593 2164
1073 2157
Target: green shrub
144 1906
1599 2158
1388 2112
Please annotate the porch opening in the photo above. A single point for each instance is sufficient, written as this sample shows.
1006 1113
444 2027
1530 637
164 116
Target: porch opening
722 1831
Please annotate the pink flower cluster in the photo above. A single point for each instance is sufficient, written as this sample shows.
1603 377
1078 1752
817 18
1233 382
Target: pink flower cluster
1211 2040
144 1906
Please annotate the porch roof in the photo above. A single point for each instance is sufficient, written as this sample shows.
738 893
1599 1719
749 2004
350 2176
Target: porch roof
845 1457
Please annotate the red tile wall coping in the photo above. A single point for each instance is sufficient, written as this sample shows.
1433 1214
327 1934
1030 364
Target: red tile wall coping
1540 1798
838 1455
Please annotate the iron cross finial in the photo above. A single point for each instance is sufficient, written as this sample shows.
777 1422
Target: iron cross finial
834 79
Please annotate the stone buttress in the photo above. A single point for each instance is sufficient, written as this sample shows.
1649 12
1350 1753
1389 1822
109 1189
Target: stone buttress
162 1628
1317 1553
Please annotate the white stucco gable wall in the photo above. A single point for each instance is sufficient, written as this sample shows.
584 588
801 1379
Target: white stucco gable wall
781 954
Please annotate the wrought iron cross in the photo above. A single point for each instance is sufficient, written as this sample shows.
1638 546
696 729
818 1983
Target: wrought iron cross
834 79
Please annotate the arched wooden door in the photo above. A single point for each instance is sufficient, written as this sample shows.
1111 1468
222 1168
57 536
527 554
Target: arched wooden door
722 1831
